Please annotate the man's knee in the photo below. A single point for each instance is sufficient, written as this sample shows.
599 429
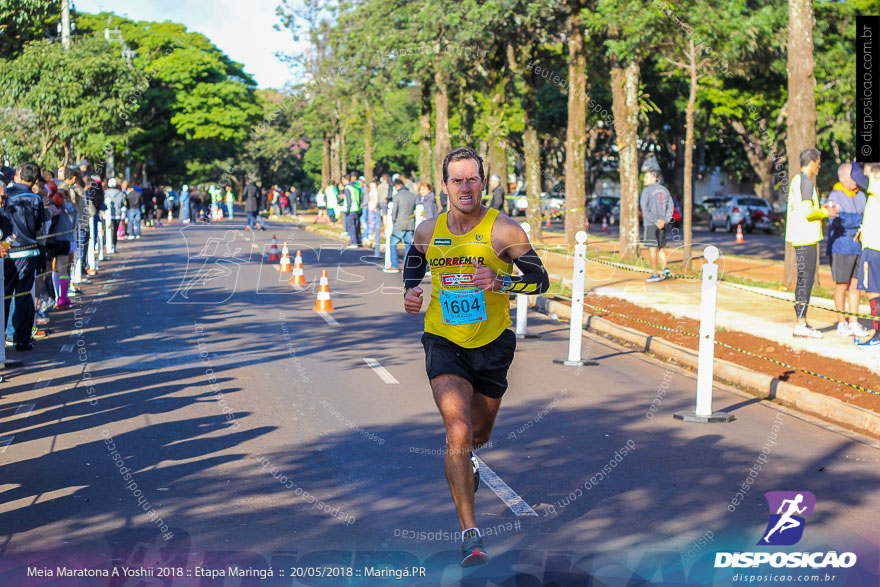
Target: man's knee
459 436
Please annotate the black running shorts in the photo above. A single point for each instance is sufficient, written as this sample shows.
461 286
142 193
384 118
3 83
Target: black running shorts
485 367
844 267
655 237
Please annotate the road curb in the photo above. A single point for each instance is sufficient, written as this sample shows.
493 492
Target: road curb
758 384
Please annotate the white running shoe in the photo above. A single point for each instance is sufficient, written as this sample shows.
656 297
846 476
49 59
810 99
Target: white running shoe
806 331
843 329
856 329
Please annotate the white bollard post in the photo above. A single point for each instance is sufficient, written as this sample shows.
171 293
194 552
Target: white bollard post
522 306
577 305
388 230
706 360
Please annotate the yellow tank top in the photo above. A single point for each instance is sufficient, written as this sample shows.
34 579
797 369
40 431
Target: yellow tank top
465 316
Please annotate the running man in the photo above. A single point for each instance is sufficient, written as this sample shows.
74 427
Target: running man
468 346
786 522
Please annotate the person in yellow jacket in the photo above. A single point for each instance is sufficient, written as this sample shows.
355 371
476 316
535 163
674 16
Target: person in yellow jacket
803 229
469 346
869 233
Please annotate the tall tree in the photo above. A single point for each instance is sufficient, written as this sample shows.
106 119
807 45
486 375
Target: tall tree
575 134
533 24
703 38
65 97
801 100
630 32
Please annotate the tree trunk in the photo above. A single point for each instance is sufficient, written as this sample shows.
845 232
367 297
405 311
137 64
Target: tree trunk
442 144
531 145
625 104
466 112
575 136
688 199
334 159
368 143
325 162
801 102
425 156
497 157
343 156
532 152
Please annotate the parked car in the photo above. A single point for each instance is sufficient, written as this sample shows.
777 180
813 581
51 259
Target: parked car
750 211
601 207
703 209
517 204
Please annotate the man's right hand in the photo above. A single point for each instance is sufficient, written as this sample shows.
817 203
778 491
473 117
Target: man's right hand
412 301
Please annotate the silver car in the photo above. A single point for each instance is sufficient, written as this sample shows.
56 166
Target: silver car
748 210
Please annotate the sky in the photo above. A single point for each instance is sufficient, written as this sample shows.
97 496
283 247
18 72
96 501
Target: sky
240 28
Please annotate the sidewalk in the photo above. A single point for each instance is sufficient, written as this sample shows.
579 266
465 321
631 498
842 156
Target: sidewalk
738 309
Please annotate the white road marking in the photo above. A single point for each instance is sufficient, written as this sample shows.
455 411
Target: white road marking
23 409
91 309
5 441
42 383
66 348
381 371
328 318
510 497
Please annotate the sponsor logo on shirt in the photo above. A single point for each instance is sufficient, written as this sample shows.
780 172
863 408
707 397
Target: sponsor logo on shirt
443 242
453 279
454 261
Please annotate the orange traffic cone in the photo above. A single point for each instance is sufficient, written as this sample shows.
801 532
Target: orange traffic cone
587 221
739 235
323 302
298 277
604 223
273 251
284 267
547 223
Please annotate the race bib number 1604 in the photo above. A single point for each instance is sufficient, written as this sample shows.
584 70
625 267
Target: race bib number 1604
463 307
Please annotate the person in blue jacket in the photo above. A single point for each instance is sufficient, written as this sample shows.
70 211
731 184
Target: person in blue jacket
24 212
845 250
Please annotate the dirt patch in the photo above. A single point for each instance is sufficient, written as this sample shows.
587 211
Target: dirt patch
797 358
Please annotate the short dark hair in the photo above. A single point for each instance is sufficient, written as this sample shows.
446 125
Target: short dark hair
353 175
29 172
461 154
809 155
398 183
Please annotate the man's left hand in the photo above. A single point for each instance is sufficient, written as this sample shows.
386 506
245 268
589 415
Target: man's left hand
485 278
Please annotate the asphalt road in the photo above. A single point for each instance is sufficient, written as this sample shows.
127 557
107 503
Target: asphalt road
258 435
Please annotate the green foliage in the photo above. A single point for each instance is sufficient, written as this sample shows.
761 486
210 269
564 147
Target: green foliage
22 21
70 97
194 107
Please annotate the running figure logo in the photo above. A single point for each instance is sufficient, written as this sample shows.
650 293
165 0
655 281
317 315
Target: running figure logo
786 525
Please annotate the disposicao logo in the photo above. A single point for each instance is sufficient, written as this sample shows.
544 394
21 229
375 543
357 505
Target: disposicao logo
786 525
788 513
